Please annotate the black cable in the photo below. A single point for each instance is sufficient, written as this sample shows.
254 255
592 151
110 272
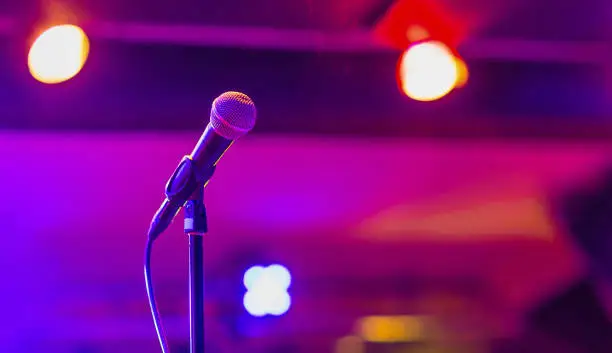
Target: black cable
161 334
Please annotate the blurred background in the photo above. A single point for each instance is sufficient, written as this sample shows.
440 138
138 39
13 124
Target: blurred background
399 176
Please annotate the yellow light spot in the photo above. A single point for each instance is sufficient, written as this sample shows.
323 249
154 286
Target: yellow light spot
391 328
58 54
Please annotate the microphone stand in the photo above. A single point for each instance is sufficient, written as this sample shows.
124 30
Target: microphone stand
186 189
196 228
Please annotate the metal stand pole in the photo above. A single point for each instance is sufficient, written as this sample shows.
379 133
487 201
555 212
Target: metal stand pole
195 228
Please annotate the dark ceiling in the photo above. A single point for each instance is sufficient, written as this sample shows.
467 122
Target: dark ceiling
539 19
164 86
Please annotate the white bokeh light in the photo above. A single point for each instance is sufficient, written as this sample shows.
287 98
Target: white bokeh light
428 71
251 276
58 54
267 290
280 275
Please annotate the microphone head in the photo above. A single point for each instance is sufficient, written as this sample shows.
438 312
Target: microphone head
233 115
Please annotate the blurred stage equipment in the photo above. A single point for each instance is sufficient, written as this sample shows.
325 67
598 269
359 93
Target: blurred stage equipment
232 116
58 54
349 344
429 67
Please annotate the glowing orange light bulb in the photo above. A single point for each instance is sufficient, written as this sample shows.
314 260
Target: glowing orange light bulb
58 54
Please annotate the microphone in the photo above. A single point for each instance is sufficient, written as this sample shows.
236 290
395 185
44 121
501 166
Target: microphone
232 116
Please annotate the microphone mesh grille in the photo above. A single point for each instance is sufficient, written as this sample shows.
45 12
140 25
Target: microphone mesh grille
233 115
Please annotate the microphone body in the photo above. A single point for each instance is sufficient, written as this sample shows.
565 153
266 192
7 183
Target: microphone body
195 170
210 148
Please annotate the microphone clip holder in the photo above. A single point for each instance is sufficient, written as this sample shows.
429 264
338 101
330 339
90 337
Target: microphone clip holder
187 180
186 183
195 222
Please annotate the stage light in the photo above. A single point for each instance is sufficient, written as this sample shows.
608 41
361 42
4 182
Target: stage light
267 290
428 71
58 54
